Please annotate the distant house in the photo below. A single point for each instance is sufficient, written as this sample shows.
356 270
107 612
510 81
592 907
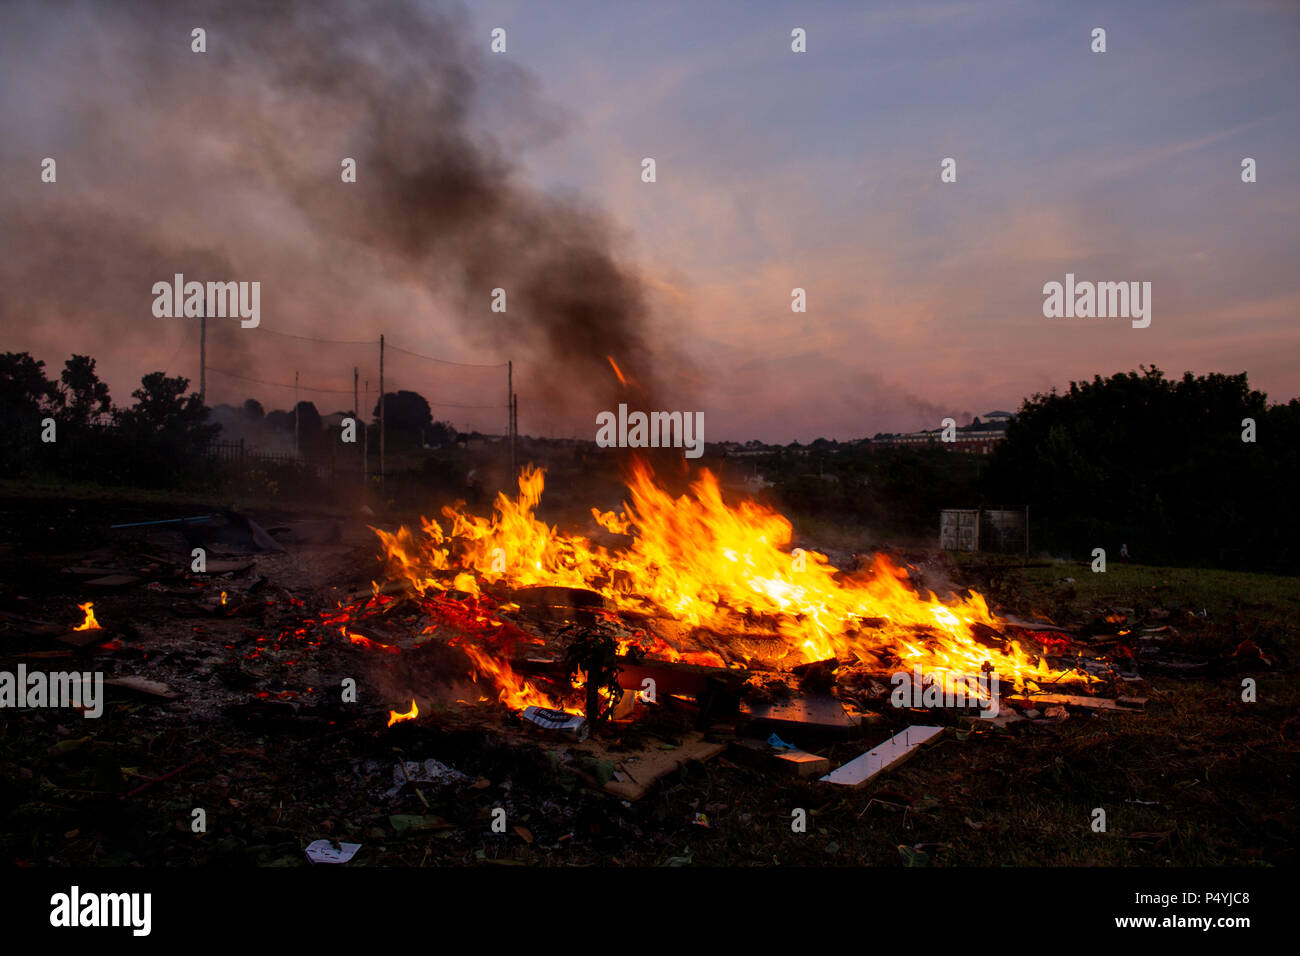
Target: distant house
977 438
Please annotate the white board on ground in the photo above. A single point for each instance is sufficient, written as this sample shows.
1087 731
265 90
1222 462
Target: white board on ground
898 747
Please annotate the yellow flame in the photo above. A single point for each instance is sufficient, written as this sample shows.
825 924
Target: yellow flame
89 624
707 564
395 717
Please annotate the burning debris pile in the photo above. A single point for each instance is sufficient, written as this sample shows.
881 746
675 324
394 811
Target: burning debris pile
692 604
560 677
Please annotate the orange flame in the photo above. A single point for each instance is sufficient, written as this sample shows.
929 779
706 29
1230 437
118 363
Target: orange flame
617 371
89 624
394 717
725 569
513 691
366 642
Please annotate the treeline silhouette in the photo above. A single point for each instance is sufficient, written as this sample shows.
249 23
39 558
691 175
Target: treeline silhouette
1198 470
68 429
1166 467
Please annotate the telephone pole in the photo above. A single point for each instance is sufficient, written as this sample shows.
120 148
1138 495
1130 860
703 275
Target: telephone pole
381 410
297 445
203 353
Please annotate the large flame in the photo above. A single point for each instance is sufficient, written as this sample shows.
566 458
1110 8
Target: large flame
706 564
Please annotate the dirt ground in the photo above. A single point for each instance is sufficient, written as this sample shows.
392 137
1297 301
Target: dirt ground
255 733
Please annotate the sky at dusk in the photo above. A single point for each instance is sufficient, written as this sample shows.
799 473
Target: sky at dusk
775 170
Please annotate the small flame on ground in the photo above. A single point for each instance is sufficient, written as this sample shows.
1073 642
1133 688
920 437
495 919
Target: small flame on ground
89 624
223 597
394 717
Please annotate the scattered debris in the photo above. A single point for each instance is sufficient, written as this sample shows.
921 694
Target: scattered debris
570 725
803 763
1132 704
326 851
431 771
824 715
645 767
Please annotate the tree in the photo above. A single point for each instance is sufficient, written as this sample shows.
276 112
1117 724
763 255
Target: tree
162 406
26 398
84 397
1154 463
253 410
308 419
441 433
312 439
406 416
24 389
165 435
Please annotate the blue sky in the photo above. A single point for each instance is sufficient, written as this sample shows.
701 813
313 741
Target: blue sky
821 170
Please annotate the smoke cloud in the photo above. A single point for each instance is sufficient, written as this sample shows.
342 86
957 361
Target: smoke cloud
226 165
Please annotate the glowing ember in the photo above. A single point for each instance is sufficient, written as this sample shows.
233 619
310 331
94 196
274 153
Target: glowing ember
366 642
89 624
223 597
394 717
617 371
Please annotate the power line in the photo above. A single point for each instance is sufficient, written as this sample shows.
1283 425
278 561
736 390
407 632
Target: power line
308 338
453 405
398 348
245 378
305 388
431 358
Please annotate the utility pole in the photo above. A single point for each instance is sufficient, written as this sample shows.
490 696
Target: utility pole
203 353
365 438
356 415
510 415
514 431
297 445
381 410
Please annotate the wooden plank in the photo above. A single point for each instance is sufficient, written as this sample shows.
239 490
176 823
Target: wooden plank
802 763
642 769
82 571
824 715
762 756
892 752
114 581
219 566
670 677
1090 703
